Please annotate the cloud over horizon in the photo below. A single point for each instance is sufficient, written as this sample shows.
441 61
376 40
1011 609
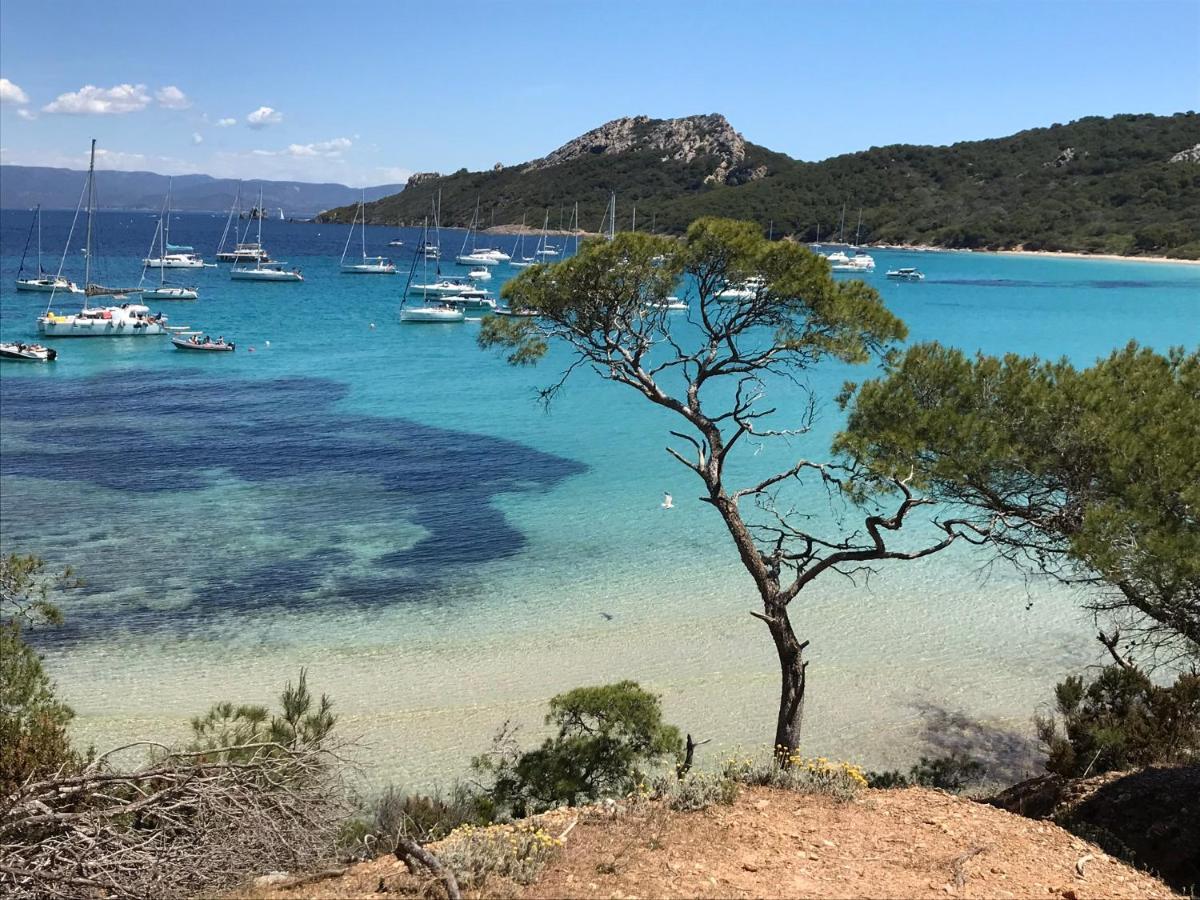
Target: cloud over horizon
171 97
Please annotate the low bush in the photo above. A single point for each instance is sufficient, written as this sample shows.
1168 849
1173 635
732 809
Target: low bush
607 737
517 851
1121 720
816 775
953 773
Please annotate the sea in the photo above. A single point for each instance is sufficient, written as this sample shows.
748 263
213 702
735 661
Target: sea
390 508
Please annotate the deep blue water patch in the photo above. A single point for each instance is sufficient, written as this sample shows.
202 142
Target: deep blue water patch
86 461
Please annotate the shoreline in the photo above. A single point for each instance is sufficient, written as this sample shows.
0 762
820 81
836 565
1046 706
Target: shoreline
1050 254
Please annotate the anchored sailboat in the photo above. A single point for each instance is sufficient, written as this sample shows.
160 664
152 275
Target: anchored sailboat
370 265
125 320
164 291
44 281
262 270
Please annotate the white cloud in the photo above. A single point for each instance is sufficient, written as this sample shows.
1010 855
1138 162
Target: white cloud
226 123
264 116
11 93
172 97
90 100
321 148
26 115
197 137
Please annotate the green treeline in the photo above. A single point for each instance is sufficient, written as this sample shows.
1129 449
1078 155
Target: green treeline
1100 185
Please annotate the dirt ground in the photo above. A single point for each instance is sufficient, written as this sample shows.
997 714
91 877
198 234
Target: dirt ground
772 843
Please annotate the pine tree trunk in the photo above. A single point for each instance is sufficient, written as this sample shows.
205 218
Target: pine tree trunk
792 683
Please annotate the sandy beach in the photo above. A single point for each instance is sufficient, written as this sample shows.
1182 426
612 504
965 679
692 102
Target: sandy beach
1052 254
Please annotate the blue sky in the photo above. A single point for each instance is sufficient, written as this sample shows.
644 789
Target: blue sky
368 92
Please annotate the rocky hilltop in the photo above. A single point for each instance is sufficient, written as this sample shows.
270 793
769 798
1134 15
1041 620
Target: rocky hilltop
683 140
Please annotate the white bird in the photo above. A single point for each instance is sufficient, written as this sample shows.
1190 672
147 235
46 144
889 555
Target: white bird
267 343
668 501
372 326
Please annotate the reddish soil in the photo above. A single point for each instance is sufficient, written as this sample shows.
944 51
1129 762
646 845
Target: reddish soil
771 843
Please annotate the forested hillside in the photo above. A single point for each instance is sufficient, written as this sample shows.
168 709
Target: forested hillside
1128 184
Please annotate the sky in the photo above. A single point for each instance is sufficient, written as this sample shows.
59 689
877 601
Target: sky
368 92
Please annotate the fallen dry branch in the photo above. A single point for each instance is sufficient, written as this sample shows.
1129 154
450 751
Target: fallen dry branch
413 854
183 823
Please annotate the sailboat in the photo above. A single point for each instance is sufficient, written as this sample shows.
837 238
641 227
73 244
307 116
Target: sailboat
475 257
125 320
521 261
860 262
370 265
164 291
44 280
263 271
171 256
427 312
242 251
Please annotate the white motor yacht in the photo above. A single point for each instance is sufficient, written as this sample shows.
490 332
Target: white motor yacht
472 302
241 253
860 262
480 274
747 290
476 259
906 274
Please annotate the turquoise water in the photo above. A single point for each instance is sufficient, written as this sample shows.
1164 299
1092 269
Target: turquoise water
389 507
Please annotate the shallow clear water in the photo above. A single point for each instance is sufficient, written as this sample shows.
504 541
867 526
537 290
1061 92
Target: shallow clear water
392 509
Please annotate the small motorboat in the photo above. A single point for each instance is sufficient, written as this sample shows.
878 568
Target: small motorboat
27 352
907 274
480 274
201 343
396 243
431 314
470 301
518 313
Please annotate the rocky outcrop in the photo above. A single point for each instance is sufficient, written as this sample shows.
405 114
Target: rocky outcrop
1063 159
1192 154
678 140
419 177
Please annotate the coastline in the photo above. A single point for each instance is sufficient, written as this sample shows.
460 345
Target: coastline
1050 254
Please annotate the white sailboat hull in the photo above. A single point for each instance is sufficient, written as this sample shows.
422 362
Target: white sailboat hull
170 293
429 314
47 286
170 263
368 269
264 275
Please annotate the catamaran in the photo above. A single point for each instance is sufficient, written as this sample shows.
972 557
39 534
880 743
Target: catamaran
171 256
44 280
242 251
264 271
124 320
370 265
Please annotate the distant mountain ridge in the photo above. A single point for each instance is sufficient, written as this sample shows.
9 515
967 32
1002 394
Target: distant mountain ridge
23 187
1126 184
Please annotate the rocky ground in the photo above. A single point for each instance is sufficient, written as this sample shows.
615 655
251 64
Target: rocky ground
772 843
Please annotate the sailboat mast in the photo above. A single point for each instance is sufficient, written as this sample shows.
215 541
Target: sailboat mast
858 230
842 226
363 206
633 226
162 239
87 257
39 226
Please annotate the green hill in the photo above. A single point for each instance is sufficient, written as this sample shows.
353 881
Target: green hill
1127 184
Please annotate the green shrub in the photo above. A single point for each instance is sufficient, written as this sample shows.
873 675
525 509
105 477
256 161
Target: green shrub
1121 720
954 773
297 724
606 736
33 721
423 818
696 791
